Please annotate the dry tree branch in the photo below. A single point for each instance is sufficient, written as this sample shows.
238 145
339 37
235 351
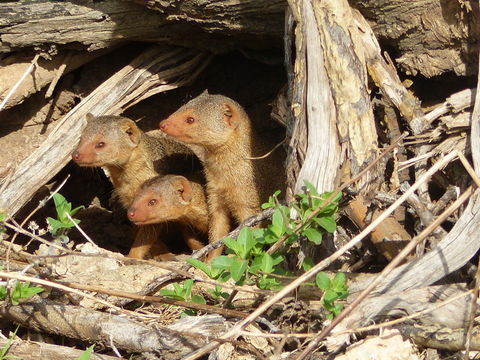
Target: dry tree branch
392 265
233 333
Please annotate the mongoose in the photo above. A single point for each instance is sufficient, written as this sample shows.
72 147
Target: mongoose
219 130
131 157
172 198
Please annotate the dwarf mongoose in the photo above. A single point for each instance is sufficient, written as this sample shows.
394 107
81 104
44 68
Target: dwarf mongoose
130 157
219 130
172 198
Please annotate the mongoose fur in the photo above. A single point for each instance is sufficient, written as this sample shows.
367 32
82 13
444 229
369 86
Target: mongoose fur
131 157
219 130
172 198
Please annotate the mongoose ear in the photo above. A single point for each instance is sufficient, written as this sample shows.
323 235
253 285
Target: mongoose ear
89 117
132 130
229 116
185 189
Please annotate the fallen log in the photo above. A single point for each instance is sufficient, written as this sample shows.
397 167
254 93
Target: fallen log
34 350
100 24
172 342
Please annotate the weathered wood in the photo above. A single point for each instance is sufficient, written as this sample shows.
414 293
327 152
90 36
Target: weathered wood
460 244
438 337
13 67
99 24
33 350
157 69
431 36
408 302
94 326
313 105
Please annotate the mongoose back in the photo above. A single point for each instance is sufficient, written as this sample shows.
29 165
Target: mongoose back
221 133
131 157
172 198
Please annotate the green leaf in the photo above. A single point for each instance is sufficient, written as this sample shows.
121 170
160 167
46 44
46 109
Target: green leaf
238 269
3 292
3 216
187 288
23 291
199 299
246 241
266 263
277 223
86 354
77 209
309 186
222 262
233 245
322 281
330 296
307 263
201 266
327 223
339 282
267 283
313 235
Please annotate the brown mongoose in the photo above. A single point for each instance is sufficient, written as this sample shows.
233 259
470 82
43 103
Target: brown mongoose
219 130
172 198
131 157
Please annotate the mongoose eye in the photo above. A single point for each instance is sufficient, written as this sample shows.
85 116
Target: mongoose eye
189 120
99 145
152 202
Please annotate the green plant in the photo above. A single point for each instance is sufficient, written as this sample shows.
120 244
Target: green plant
334 289
86 354
249 261
58 227
3 216
21 290
183 292
4 350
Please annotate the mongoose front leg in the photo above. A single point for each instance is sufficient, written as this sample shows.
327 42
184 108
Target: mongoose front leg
145 238
219 223
190 238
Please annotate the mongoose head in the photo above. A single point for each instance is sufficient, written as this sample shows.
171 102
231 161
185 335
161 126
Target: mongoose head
107 140
160 199
205 120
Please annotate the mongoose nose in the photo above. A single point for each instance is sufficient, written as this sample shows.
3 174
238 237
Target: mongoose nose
76 155
163 125
131 213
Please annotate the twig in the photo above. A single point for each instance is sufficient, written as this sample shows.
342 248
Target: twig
58 75
41 204
19 82
182 272
233 333
327 201
52 284
158 299
402 319
82 232
365 328
392 265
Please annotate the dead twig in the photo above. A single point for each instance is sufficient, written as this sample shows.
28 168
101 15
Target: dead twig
233 333
394 263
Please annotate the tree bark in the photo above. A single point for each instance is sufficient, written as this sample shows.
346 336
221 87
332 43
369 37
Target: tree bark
430 37
213 25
